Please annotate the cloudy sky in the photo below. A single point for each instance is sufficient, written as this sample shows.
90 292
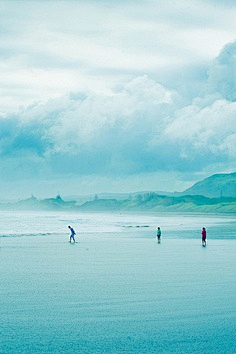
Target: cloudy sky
115 95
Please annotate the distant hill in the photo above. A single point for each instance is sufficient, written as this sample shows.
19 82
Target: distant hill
81 199
215 186
215 194
36 204
157 202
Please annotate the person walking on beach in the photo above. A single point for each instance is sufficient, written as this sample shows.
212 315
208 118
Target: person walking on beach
203 236
158 234
73 233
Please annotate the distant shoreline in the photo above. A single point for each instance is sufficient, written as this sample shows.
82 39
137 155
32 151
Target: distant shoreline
127 212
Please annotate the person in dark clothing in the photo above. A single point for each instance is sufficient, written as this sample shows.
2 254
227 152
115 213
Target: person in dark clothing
158 234
73 233
203 236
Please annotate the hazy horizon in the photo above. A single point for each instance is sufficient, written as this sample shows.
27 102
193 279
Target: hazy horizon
115 97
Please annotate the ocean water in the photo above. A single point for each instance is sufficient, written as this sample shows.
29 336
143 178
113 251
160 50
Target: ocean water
187 226
116 290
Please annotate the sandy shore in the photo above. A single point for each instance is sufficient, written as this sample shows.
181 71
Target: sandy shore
107 294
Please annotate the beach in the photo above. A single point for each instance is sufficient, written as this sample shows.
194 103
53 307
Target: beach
116 290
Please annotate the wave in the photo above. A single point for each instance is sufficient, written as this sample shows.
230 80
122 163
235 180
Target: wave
30 235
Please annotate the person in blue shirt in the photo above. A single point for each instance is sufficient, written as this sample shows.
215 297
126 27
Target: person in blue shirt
73 233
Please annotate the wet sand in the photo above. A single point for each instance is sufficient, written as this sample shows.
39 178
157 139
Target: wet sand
112 294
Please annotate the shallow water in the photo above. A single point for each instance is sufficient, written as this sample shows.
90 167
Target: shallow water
116 290
18 224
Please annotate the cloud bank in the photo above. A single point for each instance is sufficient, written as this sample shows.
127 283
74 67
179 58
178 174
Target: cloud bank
122 98
49 48
141 128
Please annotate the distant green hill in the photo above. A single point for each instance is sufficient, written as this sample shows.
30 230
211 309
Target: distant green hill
215 186
215 194
156 202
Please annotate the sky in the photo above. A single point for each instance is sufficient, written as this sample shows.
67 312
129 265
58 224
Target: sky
115 95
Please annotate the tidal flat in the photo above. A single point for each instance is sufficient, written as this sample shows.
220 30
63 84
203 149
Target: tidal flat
116 290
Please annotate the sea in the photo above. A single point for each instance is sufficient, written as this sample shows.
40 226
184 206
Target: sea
173 226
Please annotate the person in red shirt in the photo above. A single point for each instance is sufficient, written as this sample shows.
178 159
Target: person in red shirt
203 236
